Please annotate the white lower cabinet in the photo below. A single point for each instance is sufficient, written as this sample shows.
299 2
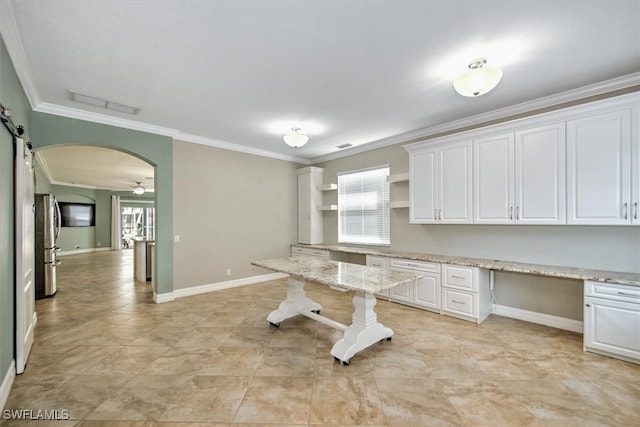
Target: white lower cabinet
612 320
453 290
424 292
466 293
318 253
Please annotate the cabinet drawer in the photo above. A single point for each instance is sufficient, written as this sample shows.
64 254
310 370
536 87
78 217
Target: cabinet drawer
320 253
376 261
407 264
459 303
459 277
612 291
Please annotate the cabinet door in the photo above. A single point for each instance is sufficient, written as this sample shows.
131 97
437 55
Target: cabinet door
402 293
304 208
540 175
423 190
427 292
455 192
612 327
598 169
635 166
493 180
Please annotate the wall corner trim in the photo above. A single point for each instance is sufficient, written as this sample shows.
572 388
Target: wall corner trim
202 289
539 318
7 383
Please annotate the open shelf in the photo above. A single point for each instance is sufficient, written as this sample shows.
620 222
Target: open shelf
399 177
400 204
328 207
327 187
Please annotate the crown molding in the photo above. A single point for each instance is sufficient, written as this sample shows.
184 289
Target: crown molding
604 87
74 113
240 148
12 40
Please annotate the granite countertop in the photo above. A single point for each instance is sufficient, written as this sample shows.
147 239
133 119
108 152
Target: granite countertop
345 275
632 279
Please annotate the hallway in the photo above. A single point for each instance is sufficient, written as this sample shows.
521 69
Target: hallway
109 356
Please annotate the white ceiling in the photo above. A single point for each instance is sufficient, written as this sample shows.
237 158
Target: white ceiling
239 74
95 167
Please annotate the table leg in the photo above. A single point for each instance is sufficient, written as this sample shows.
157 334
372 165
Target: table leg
363 332
296 303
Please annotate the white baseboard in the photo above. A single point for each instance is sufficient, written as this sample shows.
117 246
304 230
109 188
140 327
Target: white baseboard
166 297
539 318
7 383
82 251
195 290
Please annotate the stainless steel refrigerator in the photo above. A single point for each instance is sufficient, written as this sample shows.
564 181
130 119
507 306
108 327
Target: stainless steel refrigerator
47 215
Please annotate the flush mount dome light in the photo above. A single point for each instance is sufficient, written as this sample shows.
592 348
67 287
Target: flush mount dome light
295 139
478 80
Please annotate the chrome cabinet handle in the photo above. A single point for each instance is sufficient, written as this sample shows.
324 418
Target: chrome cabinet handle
635 210
517 212
440 214
510 212
435 214
628 294
588 305
458 277
458 302
626 205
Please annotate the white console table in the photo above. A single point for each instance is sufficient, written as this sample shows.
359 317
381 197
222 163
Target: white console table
365 330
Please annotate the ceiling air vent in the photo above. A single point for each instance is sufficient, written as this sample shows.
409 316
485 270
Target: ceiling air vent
347 145
103 103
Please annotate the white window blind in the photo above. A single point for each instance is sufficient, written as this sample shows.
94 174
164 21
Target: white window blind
363 207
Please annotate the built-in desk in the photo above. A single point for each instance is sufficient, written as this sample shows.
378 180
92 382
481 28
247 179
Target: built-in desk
632 279
610 300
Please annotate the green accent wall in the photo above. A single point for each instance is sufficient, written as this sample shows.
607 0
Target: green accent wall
49 130
85 237
13 97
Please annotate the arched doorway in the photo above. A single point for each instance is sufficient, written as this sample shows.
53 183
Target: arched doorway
157 150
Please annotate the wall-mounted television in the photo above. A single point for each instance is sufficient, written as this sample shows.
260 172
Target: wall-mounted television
77 214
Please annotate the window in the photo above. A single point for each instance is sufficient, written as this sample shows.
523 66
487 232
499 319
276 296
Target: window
363 207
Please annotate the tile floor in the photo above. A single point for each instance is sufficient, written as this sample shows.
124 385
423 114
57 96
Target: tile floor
109 356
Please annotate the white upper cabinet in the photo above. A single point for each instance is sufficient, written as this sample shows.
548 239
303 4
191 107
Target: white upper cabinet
540 175
493 179
635 166
440 184
520 177
599 169
578 165
423 187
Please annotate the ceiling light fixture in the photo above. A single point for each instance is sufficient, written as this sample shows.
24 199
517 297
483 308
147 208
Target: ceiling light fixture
138 189
478 80
295 139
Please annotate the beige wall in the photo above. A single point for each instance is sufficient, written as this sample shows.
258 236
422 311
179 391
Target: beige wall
230 208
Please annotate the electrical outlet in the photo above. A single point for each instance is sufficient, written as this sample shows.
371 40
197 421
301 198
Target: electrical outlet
176 239
228 272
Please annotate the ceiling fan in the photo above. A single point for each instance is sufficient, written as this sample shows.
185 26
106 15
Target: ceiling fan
138 189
